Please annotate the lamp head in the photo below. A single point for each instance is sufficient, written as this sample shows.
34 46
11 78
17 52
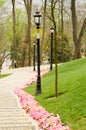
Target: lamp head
37 18
52 29
34 43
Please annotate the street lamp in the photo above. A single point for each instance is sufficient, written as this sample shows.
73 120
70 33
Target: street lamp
34 44
37 19
51 51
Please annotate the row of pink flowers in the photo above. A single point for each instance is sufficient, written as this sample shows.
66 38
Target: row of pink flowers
46 120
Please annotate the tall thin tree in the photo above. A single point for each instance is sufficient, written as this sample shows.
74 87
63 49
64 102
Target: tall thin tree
14 32
28 6
62 28
53 4
44 25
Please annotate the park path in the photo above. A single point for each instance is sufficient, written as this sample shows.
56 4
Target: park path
12 116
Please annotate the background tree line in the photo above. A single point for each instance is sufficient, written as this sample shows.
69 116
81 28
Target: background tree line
18 31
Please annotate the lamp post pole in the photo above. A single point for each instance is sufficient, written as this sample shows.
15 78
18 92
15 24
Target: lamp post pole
38 90
51 51
37 17
34 56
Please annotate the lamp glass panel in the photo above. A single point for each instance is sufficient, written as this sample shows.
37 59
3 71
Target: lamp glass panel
34 43
52 30
37 20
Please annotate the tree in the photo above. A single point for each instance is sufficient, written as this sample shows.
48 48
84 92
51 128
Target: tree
14 32
85 49
44 25
21 46
77 39
28 6
4 46
62 28
53 4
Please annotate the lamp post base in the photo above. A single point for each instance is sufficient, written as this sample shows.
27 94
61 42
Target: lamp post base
51 67
38 89
34 69
38 92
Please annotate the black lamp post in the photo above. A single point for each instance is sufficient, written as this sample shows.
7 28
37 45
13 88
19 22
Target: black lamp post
51 51
37 18
34 44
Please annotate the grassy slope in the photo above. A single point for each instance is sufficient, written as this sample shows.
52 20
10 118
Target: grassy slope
4 75
71 103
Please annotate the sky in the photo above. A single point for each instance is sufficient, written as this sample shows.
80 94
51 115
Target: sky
37 1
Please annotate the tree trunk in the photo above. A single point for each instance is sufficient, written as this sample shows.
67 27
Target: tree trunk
28 5
74 24
74 21
77 40
62 30
59 16
85 49
43 32
55 42
14 32
29 32
23 56
82 32
77 53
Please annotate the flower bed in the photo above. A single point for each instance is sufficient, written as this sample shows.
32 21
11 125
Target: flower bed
46 120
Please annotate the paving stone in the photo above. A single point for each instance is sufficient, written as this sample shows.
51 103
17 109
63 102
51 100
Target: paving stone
17 127
12 116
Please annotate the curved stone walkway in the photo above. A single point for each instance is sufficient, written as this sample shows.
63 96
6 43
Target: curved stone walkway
12 116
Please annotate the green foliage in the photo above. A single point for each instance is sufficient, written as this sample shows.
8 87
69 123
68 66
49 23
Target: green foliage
64 51
2 2
4 45
20 33
71 102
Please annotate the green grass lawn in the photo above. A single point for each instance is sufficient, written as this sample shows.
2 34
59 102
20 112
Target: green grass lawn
4 75
71 102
